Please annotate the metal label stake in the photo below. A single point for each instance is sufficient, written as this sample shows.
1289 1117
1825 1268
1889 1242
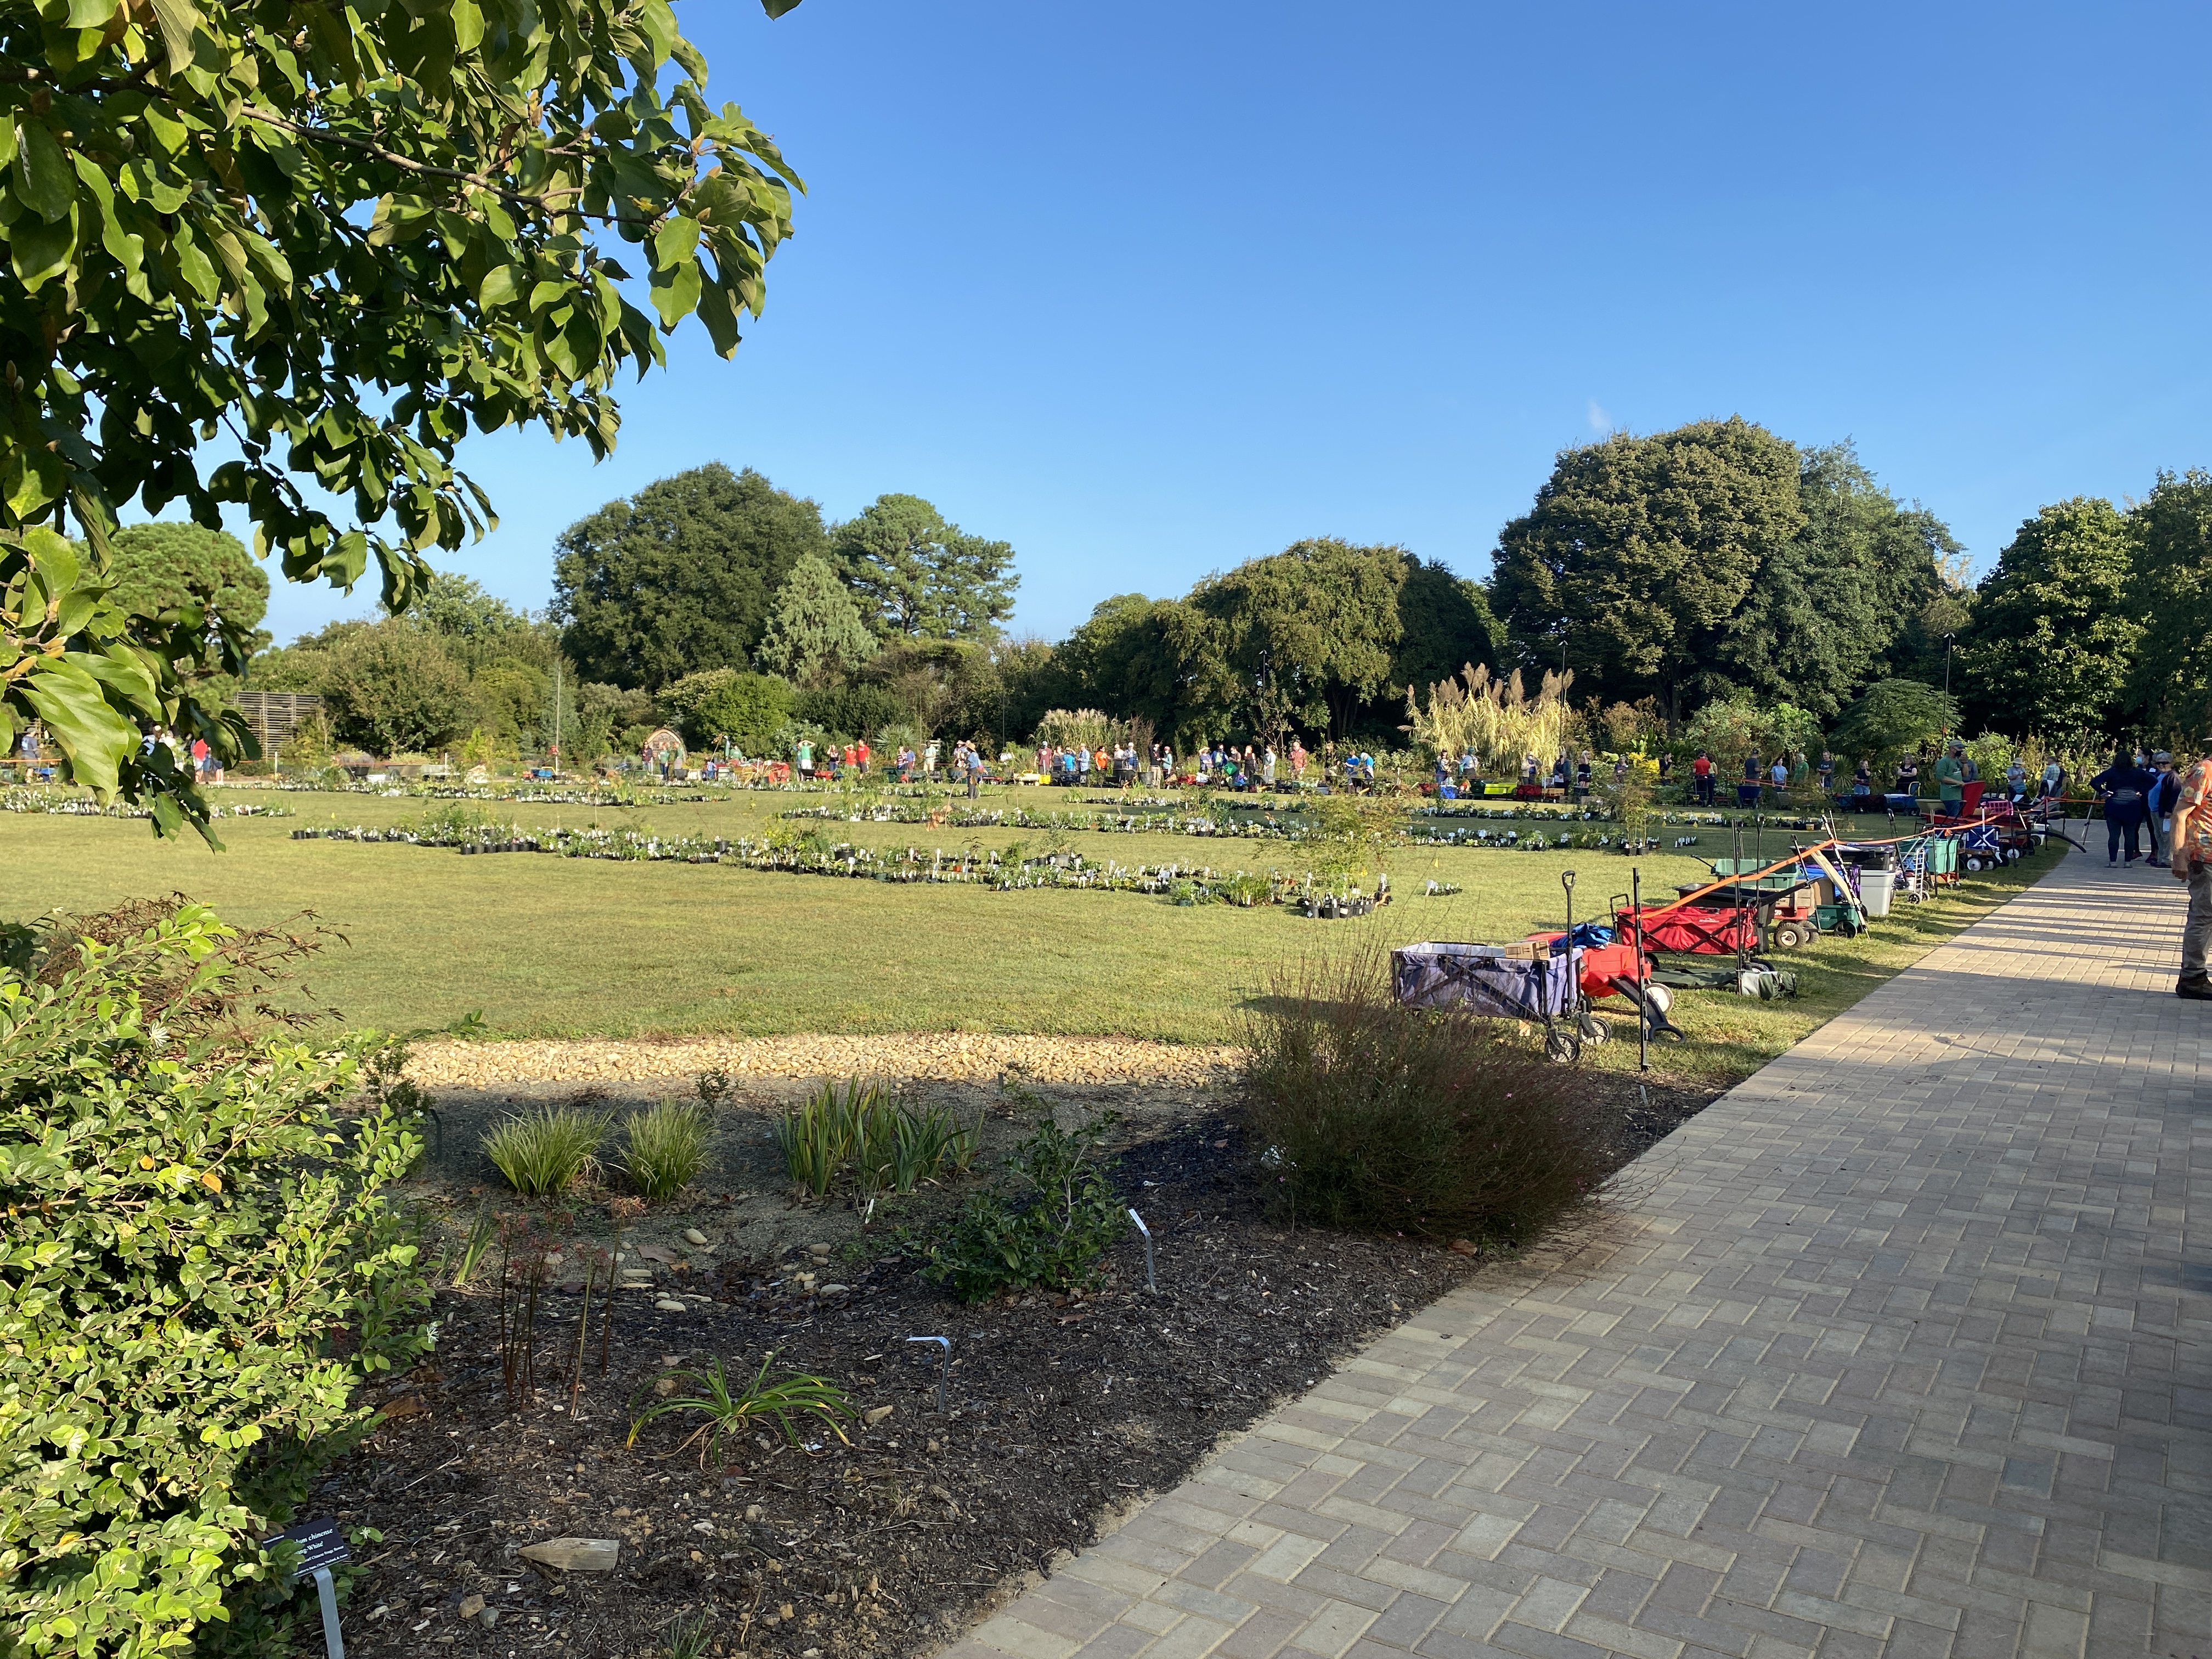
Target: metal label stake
322 1546
1152 1283
1642 971
944 1371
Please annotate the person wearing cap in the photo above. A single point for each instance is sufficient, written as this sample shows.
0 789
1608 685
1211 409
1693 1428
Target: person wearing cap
2192 848
2165 789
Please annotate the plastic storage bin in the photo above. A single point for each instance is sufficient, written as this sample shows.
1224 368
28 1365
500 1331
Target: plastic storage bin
1876 888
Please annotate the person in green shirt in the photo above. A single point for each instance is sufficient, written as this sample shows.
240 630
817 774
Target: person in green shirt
1950 777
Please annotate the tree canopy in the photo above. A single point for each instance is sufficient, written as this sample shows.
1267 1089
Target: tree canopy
1639 550
340 239
680 577
476 626
164 567
1892 717
392 689
2171 679
1444 624
1826 609
1122 658
1301 639
2054 627
916 575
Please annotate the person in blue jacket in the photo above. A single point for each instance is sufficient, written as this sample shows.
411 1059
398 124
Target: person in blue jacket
2124 787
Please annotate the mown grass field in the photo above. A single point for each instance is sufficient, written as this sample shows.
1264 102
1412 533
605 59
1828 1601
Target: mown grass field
560 947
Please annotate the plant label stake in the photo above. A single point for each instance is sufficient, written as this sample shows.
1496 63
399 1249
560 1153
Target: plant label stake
944 1371
322 1546
1574 972
1151 1284
1643 972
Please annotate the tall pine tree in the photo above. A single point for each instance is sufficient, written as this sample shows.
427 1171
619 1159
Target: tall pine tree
918 576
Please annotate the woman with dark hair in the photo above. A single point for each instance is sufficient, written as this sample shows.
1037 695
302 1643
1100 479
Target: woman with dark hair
2124 787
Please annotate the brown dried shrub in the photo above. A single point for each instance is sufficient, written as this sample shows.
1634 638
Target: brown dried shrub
1434 1122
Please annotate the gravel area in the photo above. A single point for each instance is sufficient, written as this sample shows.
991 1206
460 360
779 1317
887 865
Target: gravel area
947 1056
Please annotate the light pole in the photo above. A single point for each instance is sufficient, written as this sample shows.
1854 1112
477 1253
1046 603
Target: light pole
1947 638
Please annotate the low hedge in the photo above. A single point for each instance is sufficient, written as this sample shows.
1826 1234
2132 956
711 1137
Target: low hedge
198 1270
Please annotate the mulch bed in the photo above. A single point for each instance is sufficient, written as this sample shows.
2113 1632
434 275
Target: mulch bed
1061 1412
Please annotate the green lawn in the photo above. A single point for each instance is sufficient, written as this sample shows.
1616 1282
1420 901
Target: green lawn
561 947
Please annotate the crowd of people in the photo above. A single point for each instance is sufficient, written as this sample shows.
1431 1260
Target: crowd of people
1212 765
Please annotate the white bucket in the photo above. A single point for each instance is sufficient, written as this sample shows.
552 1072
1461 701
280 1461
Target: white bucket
1876 888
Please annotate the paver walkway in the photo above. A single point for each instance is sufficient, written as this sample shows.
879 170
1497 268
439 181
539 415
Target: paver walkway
1900 1351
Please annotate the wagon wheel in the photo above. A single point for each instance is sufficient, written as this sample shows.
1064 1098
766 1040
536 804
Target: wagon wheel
1562 1047
1594 1030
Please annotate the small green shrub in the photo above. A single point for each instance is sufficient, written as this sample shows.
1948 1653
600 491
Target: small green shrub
199 1270
665 1146
1431 1122
1048 1226
731 1411
548 1150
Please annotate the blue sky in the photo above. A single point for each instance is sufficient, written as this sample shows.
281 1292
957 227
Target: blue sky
1147 291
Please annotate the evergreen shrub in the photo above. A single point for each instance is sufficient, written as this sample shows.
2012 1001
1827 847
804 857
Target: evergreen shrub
198 1269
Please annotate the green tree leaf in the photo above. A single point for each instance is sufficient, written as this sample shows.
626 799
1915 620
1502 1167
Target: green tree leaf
95 736
44 181
188 261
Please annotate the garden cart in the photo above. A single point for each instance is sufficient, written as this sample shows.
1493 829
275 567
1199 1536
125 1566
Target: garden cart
1779 902
1693 929
1504 981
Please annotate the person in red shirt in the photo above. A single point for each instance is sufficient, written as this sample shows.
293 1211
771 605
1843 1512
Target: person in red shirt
860 755
1701 770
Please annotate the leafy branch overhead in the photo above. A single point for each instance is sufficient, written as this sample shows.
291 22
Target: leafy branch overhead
331 239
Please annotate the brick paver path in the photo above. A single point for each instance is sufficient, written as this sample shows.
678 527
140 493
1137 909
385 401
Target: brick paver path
1900 1349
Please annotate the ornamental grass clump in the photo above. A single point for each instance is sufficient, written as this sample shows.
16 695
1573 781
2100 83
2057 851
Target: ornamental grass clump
733 1407
1433 1122
199 1267
548 1150
665 1146
860 1129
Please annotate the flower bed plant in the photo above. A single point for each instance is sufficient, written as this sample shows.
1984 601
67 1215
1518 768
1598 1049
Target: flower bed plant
816 855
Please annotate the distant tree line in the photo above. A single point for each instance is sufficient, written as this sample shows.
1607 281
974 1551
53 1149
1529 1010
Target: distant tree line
1712 581
711 601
